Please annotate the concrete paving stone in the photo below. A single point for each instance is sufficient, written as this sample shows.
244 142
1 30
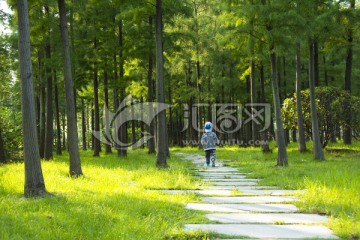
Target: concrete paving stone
248 199
202 192
264 231
270 218
223 177
230 192
231 180
220 169
219 182
243 208
254 191
242 188
206 173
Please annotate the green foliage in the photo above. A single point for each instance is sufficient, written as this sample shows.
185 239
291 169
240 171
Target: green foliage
331 109
114 200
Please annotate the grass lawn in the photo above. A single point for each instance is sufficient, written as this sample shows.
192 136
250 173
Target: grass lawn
332 186
114 200
117 198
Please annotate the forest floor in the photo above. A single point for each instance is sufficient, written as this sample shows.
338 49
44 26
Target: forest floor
120 198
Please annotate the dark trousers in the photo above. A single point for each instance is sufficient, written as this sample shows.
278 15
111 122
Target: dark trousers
207 155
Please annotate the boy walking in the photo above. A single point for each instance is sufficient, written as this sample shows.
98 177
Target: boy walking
208 141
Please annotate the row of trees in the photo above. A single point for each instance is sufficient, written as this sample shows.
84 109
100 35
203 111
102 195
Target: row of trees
232 52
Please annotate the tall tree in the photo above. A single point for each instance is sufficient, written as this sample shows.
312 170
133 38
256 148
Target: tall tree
300 118
57 116
318 151
348 71
161 117
96 103
2 147
34 181
75 164
49 129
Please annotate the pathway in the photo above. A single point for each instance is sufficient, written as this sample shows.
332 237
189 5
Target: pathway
240 207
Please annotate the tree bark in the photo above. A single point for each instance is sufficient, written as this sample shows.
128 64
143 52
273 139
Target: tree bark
280 136
49 129
2 148
300 117
151 141
264 134
161 117
58 123
316 64
107 117
347 135
96 105
318 152
42 120
73 141
83 126
34 181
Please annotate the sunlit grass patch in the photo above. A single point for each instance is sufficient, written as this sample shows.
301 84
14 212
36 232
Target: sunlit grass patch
111 200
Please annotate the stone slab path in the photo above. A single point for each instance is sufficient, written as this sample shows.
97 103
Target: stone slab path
240 207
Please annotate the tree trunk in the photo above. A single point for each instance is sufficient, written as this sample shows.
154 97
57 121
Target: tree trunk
96 106
107 117
318 152
300 117
122 130
264 134
316 64
151 141
34 181
73 141
83 125
49 129
347 135
161 117
280 136
58 123
2 148
42 120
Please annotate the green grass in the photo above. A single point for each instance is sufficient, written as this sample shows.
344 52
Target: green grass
332 186
113 200
117 198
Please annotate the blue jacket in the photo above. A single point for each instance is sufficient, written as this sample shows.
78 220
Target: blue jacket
209 140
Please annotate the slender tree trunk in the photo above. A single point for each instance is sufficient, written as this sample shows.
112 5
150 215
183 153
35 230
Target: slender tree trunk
83 125
49 129
280 136
122 133
264 134
151 141
133 124
34 181
58 123
96 105
318 152
300 117
347 135
2 148
73 141
161 117
252 80
107 116
316 63
42 120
